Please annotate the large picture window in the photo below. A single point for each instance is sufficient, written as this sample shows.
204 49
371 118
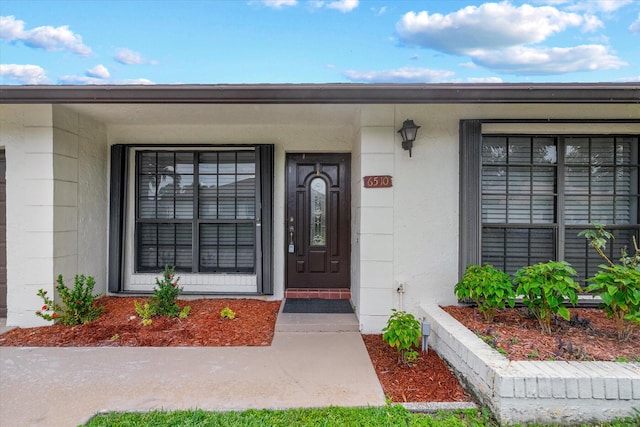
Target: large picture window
539 192
196 210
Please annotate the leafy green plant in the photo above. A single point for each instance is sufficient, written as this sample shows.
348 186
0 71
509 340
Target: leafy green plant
403 333
488 287
78 304
145 311
617 285
227 313
184 313
165 294
544 288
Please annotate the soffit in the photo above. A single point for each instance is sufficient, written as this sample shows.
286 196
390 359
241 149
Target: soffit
217 114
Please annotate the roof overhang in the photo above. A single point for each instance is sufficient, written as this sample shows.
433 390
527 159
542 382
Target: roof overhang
599 93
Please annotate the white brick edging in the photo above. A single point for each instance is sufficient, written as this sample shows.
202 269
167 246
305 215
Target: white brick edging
522 392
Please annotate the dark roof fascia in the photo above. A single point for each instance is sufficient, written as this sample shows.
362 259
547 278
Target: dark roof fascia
599 93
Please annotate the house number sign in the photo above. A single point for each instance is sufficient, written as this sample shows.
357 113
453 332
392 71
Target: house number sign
377 181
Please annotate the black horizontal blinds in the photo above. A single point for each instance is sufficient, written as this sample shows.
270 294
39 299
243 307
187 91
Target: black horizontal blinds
538 193
227 185
601 185
518 180
196 210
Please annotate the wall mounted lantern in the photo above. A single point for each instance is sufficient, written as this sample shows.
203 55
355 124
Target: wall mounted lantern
408 132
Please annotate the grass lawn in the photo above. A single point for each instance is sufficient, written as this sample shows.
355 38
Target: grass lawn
394 415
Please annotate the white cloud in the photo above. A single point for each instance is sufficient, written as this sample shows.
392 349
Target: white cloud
400 75
343 6
99 71
80 80
86 80
24 74
635 26
130 57
489 26
484 80
45 37
380 11
522 60
277 4
504 44
629 79
591 23
10 28
134 82
598 5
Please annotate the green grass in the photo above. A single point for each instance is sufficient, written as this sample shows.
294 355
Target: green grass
333 416
389 416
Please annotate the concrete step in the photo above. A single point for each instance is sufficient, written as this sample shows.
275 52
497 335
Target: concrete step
299 322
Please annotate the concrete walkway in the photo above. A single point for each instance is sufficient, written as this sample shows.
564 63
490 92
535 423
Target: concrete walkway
66 386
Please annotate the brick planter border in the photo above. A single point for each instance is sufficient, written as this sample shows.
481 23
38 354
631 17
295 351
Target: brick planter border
523 392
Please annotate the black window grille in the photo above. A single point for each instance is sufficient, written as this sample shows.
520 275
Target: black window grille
538 193
196 210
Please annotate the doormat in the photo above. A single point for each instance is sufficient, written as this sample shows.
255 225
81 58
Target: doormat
317 305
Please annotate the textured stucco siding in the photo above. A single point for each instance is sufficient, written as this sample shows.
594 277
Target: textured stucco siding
56 203
57 184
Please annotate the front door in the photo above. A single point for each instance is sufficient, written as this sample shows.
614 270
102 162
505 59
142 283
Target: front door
318 228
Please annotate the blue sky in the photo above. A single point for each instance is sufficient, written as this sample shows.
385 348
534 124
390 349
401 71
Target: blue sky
315 41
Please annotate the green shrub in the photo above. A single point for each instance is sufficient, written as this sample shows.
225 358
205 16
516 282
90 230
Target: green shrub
165 294
184 313
488 287
403 333
78 304
544 288
227 313
145 311
617 285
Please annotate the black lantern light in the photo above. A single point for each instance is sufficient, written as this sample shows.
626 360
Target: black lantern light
408 132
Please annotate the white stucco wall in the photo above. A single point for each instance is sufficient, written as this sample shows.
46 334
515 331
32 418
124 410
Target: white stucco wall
407 234
80 197
27 136
56 204
411 230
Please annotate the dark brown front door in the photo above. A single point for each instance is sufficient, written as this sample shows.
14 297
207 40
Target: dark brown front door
318 238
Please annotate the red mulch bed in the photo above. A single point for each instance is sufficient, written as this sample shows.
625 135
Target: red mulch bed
588 336
119 325
428 380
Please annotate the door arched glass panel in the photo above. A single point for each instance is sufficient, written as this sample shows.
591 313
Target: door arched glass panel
318 212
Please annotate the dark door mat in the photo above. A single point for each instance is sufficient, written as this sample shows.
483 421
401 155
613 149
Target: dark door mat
317 305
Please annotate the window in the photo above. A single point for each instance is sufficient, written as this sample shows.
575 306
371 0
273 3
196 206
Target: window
196 210
538 193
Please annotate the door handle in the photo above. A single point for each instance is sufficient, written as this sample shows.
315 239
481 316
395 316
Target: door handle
292 246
